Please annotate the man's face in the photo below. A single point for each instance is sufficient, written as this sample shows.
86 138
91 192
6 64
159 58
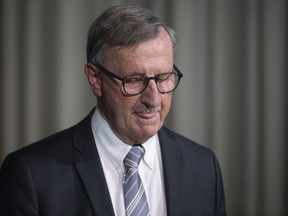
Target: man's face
135 119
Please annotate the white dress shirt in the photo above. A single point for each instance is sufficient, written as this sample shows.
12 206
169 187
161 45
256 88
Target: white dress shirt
112 152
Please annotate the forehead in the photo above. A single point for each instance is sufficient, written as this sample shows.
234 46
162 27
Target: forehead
154 53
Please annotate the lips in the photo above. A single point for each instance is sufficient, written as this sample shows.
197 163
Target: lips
148 113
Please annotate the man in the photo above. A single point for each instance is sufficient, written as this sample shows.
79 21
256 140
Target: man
91 168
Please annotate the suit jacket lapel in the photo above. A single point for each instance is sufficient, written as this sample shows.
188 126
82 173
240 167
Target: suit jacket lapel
89 167
172 170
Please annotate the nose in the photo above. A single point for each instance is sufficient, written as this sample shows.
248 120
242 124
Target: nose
151 96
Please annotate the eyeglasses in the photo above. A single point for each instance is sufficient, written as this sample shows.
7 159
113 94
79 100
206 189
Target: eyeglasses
136 84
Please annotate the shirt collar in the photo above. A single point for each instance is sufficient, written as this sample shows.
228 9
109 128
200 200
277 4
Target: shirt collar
115 149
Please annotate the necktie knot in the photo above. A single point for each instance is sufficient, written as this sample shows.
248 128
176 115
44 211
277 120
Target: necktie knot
134 157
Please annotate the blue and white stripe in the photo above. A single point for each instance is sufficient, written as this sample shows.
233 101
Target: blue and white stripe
134 194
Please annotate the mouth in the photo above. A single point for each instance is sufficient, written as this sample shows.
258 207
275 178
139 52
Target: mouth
148 113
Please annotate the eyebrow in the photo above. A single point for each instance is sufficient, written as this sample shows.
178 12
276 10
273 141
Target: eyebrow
135 73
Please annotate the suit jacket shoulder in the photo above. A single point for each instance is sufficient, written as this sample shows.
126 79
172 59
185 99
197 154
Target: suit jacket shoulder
59 175
192 176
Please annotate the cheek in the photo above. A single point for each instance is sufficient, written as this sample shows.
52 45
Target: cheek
124 111
165 105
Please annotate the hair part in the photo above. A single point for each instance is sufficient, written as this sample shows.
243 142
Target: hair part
123 26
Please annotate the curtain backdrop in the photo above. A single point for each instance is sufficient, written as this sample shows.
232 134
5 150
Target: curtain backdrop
233 54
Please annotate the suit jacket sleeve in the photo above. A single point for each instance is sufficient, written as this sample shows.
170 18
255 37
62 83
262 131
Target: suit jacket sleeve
220 197
17 194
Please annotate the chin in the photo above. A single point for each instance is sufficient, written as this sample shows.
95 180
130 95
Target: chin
149 131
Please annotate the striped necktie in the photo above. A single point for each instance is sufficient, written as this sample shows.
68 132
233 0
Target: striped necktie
134 194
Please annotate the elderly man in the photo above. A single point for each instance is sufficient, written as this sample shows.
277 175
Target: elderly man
119 160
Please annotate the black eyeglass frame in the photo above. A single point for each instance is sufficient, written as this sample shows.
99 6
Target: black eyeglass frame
155 78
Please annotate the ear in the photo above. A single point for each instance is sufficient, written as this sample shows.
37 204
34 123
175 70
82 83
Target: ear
93 78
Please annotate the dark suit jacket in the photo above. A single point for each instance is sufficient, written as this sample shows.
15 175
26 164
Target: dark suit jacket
62 176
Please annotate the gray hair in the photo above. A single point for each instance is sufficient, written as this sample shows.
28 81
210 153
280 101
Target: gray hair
123 26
